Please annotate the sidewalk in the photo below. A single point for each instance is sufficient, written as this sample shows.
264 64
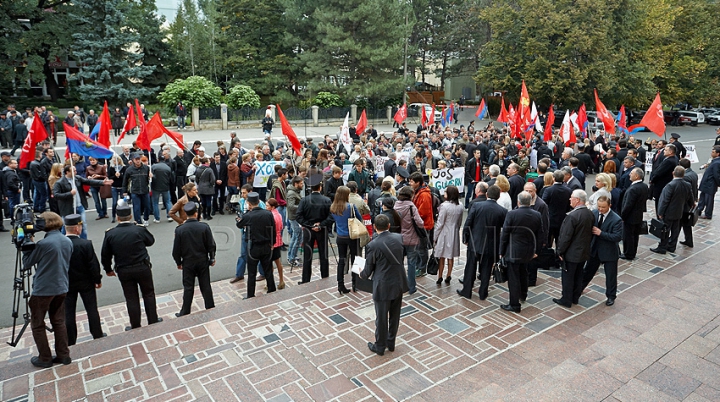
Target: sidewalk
658 342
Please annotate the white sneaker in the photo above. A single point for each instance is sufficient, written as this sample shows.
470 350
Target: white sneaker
156 220
146 223
170 219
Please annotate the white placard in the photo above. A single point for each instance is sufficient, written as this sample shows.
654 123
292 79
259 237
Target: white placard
442 178
264 171
691 154
358 265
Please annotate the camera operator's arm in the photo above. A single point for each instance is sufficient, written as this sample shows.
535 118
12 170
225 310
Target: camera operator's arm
31 258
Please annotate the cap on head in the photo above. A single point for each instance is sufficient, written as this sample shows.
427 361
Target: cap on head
675 136
253 198
72 220
190 208
402 172
123 211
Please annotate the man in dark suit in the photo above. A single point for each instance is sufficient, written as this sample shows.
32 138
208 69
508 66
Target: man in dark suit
557 198
71 197
679 147
194 254
219 167
516 182
573 247
537 204
687 222
259 230
675 200
663 174
577 173
604 248
634 204
473 174
659 154
85 277
313 215
709 184
390 166
384 262
481 233
519 244
570 180
585 163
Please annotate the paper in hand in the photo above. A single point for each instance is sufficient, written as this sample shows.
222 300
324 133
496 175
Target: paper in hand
358 265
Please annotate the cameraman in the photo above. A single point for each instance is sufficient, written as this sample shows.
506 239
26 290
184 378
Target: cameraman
50 286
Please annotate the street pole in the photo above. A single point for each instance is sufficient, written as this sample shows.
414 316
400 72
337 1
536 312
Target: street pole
405 64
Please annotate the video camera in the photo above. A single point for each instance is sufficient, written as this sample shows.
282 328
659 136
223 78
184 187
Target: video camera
26 224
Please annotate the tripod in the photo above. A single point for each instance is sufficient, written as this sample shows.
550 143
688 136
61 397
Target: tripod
21 287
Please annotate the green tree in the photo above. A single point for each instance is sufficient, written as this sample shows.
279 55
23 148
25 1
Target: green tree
242 96
327 100
111 70
144 20
192 92
193 41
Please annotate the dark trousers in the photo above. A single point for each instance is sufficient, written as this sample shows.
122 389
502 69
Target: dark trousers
89 299
517 283
686 225
202 273
485 262
54 307
218 200
180 181
262 192
130 279
670 238
206 201
387 321
572 280
591 268
631 238
252 264
706 202
41 196
343 244
141 207
554 234
309 239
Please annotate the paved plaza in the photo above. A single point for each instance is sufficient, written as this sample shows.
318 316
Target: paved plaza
658 342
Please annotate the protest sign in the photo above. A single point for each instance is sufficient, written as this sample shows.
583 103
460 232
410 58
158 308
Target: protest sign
264 171
442 178
691 154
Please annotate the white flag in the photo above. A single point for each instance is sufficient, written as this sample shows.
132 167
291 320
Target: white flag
534 119
345 136
566 128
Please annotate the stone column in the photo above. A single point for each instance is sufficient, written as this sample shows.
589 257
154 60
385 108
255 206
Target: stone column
353 113
389 115
196 118
224 116
315 115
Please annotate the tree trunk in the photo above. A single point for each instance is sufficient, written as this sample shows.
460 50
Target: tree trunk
53 89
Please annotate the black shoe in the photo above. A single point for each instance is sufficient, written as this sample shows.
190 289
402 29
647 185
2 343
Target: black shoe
247 297
558 301
448 279
342 289
508 307
301 282
2 229
64 360
158 320
283 248
532 283
625 257
128 328
372 348
460 280
439 282
523 299
684 243
220 211
458 291
610 302
179 315
213 213
39 363
671 250
391 348
209 218
658 250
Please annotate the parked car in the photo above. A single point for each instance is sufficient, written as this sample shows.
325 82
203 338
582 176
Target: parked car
707 111
414 110
682 120
695 117
594 122
637 116
713 119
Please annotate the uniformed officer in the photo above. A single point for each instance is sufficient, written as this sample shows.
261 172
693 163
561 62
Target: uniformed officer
194 254
401 176
127 243
680 150
85 277
313 215
259 232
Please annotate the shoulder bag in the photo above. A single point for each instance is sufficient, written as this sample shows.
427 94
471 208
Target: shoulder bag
356 227
420 231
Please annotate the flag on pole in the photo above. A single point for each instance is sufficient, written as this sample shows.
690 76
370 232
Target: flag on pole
155 129
534 120
423 115
140 115
481 110
566 129
129 124
622 119
523 109
289 132
36 134
547 134
503 117
101 131
604 115
654 119
345 139
582 120
401 114
362 123
80 144
431 120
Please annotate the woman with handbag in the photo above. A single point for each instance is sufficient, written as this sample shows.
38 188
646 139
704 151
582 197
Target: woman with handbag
447 235
410 224
342 211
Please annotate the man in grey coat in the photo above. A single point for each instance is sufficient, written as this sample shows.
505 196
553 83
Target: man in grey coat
675 200
384 262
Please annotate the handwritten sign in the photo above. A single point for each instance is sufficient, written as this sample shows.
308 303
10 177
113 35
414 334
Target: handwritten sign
264 171
346 172
691 154
443 178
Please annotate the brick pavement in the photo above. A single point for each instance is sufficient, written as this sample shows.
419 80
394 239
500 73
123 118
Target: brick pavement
659 342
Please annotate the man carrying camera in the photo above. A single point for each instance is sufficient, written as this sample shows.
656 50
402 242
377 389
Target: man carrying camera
50 286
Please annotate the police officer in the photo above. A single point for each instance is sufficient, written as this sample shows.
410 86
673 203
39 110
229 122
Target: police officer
259 232
127 243
313 215
680 150
84 277
194 254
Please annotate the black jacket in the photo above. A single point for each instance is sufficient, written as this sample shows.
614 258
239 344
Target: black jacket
84 271
331 186
194 244
662 175
482 228
605 246
180 166
471 167
519 241
220 171
384 262
37 171
259 227
557 198
675 199
138 178
65 199
315 208
516 187
573 243
127 243
634 203
390 167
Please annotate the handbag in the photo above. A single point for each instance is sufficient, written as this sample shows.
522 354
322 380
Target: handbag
657 228
356 227
692 216
420 231
432 265
499 271
644 228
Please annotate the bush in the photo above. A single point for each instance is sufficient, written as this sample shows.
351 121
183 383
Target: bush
242 96
192 92
327 100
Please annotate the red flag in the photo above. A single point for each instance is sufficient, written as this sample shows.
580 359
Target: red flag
290 134
431 119
105 125
129 124
622 122
361 124
423 116
401 114
36 134
155 129
654 119
604 115
582 119
503 117
547 135
481 110
523 109
140 115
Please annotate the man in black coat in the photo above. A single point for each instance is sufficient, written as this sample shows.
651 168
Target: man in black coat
585 163
473 174
709 184
557 198
390 165
634 204
680 150
675 200
313 215
516 183
219 167
571 181
127 244
577 172
537 204
573 247
663 174
84 277
687 222
71 197
180 173
481 234
604 248
194 254
384 262
259 231
519 244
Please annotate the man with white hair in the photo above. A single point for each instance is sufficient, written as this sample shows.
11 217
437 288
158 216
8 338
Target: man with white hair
573 247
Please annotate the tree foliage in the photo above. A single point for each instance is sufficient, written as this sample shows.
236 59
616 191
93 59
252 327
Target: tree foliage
327 100
192 92
242 96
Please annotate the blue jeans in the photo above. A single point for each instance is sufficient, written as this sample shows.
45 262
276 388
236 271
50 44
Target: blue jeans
117 193
295 239
413 265
243 259
100 203
13 199
181 121
156 203
141 206
40 196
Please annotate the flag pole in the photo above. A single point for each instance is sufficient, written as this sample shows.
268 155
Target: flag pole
74 187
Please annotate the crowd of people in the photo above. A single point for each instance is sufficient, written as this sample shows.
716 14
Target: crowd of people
524 202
